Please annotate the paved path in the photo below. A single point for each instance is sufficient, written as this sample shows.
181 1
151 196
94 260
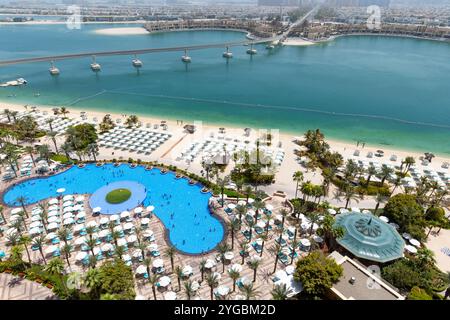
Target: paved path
15 288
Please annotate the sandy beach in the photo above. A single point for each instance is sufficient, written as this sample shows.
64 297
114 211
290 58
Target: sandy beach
44 22
122 31
297 42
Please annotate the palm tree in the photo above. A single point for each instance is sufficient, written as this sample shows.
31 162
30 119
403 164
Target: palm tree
63 111
280 292
249 291
243 246
222 183
371 171
63 233
297 177
179 274
38 242
30 151
234 275
189 289
170 253
2 214
202 268
223 248
385 173
93 281
233 225
294 244
258 205
52 136
66 251
263 237
56 266
213 282
380 199
92 149
50 121
276 250
25 241
248 191
241 210
284 213
330 232
153 280
44 152
22 200
254 264
251 224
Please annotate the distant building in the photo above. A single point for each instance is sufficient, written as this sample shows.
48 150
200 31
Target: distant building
359 283
358 3
285 3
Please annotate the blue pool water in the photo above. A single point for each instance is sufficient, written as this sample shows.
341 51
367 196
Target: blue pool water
182 208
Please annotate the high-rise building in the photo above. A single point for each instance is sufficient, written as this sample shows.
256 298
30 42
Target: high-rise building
357 3
285 3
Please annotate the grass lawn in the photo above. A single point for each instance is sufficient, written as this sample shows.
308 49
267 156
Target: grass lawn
118 196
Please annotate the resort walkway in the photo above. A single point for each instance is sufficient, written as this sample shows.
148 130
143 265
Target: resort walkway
15 288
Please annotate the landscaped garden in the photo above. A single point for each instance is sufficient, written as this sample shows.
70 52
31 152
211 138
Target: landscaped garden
118 196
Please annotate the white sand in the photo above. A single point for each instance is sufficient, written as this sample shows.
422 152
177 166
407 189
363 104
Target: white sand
297 42
122 31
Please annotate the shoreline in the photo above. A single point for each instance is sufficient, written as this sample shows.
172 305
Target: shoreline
345 147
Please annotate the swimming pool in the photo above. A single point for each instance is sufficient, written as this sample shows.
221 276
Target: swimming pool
182 208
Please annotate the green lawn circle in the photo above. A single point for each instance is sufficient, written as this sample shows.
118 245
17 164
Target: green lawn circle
118 196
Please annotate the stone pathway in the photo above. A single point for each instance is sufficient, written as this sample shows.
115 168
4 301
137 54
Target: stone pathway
15 288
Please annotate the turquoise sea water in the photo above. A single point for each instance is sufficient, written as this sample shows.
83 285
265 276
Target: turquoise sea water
382 90
181 207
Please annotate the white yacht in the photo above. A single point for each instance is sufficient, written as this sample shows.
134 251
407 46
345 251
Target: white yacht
95 66
137 63
185 58
270 47
228 54
54 71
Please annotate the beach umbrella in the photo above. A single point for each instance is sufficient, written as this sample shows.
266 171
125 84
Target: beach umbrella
251 200
50 236
152 247
11 231
170 295
35 224
158 263
289 270
236 267
317 239
138 210
332 211
60 190
124 215
210 264
79 199
411 249
34 231
251 213
150 208
217 275
141 269
68 197
107 247
122 242
97 210
187 270
241 203
305 242
222 290
126 257
77 207
104 220
68 215
384 219
51 249
229 255
145 221
53 226
406 235
67 204
81 256
132 239
396 226
114 218
137 254
414 242
16 210
118 228
80 241
78 227
68 221
147 233
53 201
231 206
92 224
128 226
80 215
35 218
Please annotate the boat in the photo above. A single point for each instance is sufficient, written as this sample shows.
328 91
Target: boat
227 54
270 47
252 51
185 58
95 66
137 63
54 71
14 83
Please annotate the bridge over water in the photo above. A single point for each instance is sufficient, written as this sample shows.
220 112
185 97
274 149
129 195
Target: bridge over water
274 39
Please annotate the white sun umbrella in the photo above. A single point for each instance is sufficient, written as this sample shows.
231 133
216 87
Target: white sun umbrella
132 239
67 209
138 210
251 213
80 215
124 214
210 264
97 250
217 275
114 218
78 227
81 256
68 221
50 236
169 295
126 257
158 263
289 270
231 206
96 209
79 199
145 221
411 249
195 285
68 197
251 200
35 224
261 224
150 208
51 249
236 267
68 215
80 241
107 247
53 208
122 242
53 226
269 207
222 290
128 226
229 255
395 225
305 242
406 235
141 269
241 203
317 239
187 270
383 218
331 211
68 204
118 228
147 233
34 231
343 210
103 233
137 254
104 220
152 247
53 201
11 231
60 190
36 218
414 242
16 210
77 207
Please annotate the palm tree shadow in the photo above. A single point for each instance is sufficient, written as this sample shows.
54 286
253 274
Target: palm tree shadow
14 282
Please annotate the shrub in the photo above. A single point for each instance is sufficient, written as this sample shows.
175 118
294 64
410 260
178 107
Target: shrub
418 294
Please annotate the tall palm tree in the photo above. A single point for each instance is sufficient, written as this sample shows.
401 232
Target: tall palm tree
280 292
330 232
179 274
249 291
170 253
153 280
240 210
243 246
222 182
284 213
258 205
380 198
248 190
251 224
63 234
213 282
52 136
233 225
38 242
202 268
263 237
92 149
297 177
56 266
223 248
2 214
254 265
371 171
234 275
189 289
25 241
385 173
276 250
66 251
30 151
22 200
294 244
